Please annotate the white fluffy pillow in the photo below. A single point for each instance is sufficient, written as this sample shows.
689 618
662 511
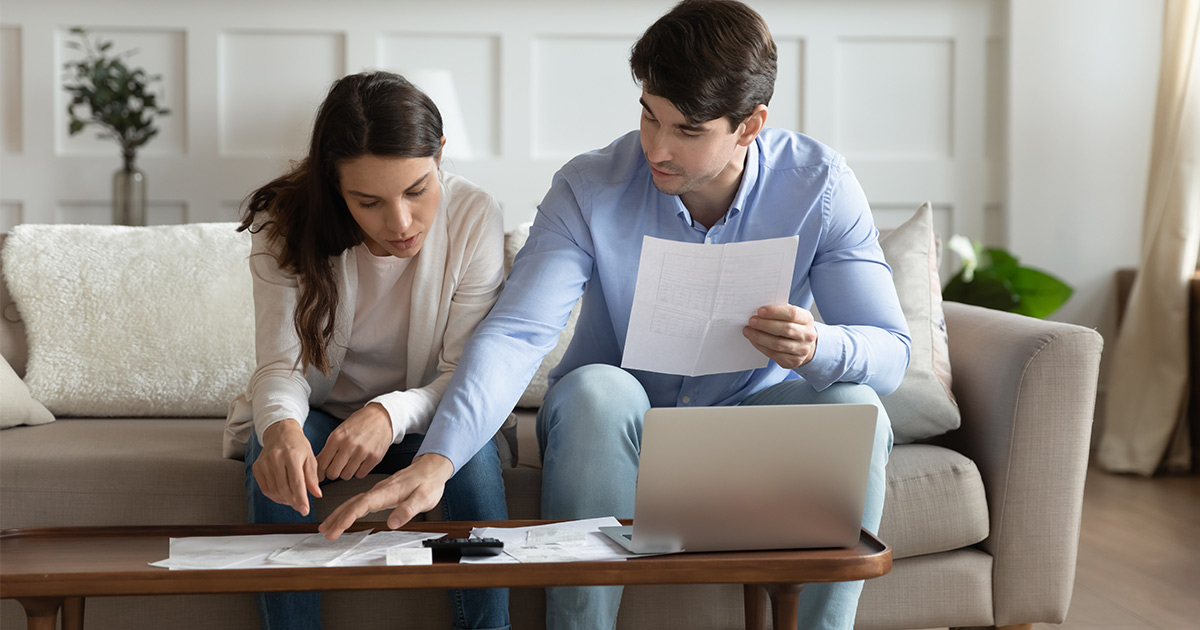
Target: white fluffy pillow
125 321
923 406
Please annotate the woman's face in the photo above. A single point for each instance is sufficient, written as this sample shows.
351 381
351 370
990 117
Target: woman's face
394 200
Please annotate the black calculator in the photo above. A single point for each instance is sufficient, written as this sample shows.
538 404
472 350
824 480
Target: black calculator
455 548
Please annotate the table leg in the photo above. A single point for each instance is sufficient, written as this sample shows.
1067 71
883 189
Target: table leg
73 613
41 612
785 604
756 607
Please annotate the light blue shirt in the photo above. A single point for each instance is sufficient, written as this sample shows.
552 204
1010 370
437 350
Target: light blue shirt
587 238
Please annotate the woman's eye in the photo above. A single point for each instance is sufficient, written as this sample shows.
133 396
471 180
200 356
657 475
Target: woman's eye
368 204
417 193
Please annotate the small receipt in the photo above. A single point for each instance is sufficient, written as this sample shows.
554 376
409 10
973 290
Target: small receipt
406 556
555 535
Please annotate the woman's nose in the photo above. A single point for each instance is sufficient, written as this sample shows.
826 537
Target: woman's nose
400 218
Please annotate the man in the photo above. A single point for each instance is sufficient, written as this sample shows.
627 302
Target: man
702 169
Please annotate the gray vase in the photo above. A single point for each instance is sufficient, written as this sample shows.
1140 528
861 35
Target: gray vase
129 197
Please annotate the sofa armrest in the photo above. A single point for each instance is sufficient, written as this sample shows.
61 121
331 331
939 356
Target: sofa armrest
1027 391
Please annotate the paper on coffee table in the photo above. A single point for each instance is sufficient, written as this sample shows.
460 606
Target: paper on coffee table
223 552
317 551
593 546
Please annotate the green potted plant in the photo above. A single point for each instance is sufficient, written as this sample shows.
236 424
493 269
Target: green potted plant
994 278
105 91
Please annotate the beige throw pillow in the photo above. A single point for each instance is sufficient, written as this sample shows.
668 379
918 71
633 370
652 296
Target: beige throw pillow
16 405
923 406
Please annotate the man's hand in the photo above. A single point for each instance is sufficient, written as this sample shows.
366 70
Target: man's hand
357 445
784 333
286 470
411 491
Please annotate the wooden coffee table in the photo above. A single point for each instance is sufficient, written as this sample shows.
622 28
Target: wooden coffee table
52 569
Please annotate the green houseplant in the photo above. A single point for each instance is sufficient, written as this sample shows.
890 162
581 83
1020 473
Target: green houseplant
994 278
105 91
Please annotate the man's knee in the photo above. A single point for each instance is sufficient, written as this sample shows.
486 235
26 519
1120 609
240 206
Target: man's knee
592 402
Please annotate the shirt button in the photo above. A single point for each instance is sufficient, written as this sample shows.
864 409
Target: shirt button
685 400
708 239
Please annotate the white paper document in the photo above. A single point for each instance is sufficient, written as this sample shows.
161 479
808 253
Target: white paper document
272 550
223 552
692 300
571 541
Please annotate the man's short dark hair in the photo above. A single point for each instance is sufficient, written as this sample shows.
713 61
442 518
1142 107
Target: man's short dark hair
710 58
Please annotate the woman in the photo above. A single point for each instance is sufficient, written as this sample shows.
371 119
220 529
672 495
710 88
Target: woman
371 269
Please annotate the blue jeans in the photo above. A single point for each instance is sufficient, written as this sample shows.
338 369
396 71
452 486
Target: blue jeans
474 493
589 431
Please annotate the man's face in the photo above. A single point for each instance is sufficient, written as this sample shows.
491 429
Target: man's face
684 157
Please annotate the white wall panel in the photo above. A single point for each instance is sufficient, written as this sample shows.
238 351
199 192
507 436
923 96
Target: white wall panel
894 98
473 66
10 215
583 94
10 90
787 105
270 86
158 52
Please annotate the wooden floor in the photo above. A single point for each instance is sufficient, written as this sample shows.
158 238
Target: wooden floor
1139 555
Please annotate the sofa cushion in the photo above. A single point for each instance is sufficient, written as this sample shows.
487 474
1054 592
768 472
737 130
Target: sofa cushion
935 501
121 321
147 471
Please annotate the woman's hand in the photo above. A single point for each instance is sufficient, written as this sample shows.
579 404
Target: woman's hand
411 491
357 445
785 333
286 470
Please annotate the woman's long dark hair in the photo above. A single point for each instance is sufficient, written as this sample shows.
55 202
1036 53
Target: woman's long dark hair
303 212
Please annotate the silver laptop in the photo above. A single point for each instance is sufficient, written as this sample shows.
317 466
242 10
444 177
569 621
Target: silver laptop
753 477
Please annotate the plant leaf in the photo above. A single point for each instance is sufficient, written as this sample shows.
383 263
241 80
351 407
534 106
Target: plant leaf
986 290
1040 293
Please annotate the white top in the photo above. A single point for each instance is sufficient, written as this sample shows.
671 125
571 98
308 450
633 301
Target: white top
455 281
374 358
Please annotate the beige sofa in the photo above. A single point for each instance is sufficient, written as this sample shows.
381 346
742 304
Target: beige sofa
983 521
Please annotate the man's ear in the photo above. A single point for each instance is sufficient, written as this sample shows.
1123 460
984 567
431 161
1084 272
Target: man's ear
753 125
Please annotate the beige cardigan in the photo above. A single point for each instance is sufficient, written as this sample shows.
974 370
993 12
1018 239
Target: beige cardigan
459 272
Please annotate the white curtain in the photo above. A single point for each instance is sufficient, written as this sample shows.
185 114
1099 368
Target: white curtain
1145 423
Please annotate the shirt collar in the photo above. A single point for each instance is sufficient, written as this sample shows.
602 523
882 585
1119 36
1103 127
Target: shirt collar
749 181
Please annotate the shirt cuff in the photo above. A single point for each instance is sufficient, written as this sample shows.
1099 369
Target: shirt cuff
410 411
829 360
268 412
